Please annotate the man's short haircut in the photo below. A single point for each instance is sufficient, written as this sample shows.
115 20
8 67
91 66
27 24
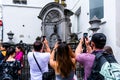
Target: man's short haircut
37 45
5 45
99 39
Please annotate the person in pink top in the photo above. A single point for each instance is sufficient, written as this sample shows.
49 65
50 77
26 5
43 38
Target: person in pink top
19 54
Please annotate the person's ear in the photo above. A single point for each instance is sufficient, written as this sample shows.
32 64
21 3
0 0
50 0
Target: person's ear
92 44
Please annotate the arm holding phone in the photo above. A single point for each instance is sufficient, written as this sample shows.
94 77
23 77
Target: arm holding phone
79 48
46 48
83 46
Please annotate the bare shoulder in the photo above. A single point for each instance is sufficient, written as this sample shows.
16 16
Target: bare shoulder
52 63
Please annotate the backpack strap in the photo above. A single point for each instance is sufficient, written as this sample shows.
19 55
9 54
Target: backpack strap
99 60
95 75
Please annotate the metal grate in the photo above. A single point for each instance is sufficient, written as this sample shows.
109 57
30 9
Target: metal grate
26 69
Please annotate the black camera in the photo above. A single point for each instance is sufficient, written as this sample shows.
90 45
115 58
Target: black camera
85 35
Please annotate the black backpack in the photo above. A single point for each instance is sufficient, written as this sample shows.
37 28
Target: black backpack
101 58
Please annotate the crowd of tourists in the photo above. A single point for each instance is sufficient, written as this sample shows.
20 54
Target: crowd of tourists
59 63
11 61
63 60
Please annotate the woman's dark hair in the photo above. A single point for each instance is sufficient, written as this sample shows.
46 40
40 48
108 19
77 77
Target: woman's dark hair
21 48
37 45
108 49
10 51
65 64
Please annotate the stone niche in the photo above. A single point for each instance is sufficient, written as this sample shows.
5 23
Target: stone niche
55 22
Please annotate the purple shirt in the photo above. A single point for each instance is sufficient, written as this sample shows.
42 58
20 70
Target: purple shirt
86 59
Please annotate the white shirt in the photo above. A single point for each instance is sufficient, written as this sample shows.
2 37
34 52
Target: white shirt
42 59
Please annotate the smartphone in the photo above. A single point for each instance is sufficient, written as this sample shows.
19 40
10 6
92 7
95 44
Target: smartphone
85 35
43 38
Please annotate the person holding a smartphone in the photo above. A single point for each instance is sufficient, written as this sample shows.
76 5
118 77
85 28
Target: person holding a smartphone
39 56
64 64
84 56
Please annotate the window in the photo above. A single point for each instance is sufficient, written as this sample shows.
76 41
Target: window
96 9
20 1
77 13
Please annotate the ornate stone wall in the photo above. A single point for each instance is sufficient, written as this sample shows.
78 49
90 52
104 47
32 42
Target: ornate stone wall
55 22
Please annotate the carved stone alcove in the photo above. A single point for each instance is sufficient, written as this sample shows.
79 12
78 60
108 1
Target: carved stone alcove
55 22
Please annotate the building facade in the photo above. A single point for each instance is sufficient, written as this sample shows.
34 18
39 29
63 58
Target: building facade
107 11
21 18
